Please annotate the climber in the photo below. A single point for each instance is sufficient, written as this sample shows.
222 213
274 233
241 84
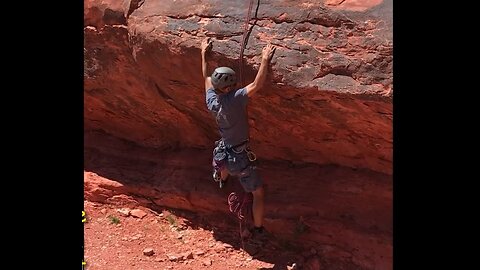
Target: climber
228 104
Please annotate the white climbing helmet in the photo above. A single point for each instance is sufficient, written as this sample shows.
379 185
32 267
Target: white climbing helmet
223 77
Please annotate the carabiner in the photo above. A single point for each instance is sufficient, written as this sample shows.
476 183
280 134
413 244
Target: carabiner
251 155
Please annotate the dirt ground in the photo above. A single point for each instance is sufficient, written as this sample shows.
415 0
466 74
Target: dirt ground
143 239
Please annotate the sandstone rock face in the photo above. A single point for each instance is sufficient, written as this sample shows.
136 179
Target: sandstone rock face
321 126
143 80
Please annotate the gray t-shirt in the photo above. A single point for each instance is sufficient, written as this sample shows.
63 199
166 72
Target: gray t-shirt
230 111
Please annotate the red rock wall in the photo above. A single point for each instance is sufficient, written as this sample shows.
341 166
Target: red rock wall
325 91
322 125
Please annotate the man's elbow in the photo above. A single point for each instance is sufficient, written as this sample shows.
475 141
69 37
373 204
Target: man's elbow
252 88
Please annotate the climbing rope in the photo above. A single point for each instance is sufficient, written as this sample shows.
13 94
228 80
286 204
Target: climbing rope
241 207
246 35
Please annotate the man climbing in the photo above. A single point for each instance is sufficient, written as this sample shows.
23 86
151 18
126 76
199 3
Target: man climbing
228 104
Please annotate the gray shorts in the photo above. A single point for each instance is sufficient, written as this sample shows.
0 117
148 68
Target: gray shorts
239 165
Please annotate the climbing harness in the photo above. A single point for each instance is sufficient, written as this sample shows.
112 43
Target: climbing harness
220 155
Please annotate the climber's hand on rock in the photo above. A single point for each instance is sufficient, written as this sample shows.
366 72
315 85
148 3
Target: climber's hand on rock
206 44
268 52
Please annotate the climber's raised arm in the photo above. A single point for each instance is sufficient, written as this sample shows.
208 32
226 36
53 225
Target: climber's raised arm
205 47
267 54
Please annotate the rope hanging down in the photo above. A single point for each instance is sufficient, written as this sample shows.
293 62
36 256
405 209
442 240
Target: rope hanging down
240 204
246 35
